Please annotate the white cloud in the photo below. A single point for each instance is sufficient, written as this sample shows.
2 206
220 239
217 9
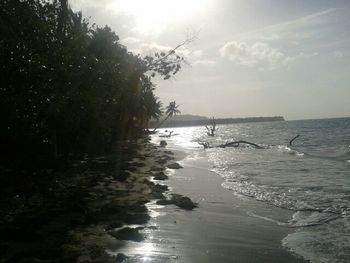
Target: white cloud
259 55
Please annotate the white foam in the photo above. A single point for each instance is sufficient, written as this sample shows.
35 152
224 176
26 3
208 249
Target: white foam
311 218
265 218
326 243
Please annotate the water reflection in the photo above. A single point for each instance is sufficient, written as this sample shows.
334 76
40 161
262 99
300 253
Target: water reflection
147 249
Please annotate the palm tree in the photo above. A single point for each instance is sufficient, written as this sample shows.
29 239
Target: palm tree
171 110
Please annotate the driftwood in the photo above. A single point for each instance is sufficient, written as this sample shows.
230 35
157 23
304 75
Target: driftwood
167 136
291 141
230 144
237 143
205 145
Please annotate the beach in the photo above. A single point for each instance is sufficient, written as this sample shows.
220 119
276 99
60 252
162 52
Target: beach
221 229
182 203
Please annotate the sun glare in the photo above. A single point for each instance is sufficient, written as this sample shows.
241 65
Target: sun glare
153 16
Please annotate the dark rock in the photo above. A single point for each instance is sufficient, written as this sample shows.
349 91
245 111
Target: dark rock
137 218
160 188
162 161
158 195
164 202
163 143
160 176
120 258
180 201
184 202
128 234
174 166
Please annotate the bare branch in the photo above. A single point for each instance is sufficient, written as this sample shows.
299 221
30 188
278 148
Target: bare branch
291 141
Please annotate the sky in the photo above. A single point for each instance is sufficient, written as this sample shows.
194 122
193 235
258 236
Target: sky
249 58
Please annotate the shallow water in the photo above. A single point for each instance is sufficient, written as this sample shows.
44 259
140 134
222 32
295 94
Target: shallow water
310 178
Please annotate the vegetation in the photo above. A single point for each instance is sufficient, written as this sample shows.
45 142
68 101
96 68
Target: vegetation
69 87
171 110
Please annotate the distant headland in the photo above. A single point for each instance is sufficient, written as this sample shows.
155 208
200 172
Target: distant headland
193 120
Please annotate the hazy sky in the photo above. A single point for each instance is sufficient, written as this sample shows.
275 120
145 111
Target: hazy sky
251 57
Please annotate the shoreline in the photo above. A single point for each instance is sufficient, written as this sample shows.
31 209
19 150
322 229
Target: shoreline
221 229
124 223
102 196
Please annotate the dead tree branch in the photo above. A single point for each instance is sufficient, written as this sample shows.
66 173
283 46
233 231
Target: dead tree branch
211 130
237 143
291 141
231 144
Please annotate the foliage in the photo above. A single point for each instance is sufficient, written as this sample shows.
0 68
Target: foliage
171 110
68 86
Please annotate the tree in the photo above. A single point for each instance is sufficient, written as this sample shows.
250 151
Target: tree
68 87
211 130
171 110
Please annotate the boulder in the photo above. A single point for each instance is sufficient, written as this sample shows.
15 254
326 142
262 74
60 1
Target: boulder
174 166
163 143
180 201
120 258
160 176
184 202
127 233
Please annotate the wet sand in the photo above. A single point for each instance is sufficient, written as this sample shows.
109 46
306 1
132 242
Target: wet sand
224 228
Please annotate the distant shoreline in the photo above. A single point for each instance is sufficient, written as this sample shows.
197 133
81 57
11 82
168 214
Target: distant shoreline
203 122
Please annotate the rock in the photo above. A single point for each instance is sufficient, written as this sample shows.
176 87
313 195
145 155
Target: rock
160 188
164 202
163 143
128 234
180 201
162 161
137 218
120 258
157 195
174 166
184 202
160 176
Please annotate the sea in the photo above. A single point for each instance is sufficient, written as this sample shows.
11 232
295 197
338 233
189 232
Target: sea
311 177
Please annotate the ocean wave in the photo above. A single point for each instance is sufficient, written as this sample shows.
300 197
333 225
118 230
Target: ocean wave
326 243
306 200
311 218
288 150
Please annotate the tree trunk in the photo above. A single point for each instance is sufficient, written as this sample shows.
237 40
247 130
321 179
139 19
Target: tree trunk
161 123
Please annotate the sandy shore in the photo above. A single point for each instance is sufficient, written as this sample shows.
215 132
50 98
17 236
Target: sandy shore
224 228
